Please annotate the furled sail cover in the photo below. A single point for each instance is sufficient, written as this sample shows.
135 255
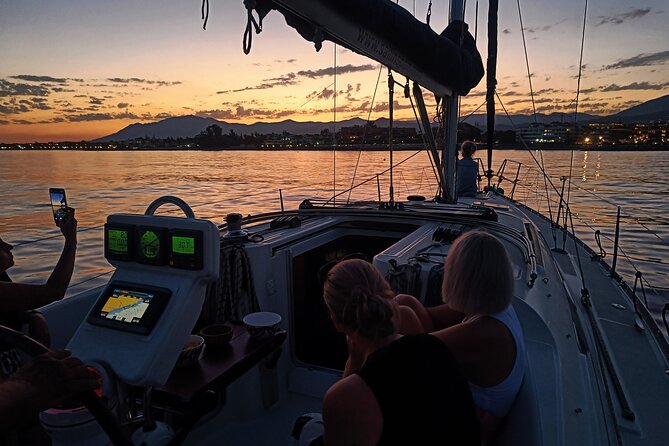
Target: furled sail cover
386 32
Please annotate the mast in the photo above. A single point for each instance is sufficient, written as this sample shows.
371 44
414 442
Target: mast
450 105
491 81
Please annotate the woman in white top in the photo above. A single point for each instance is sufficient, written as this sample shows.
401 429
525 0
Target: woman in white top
477 323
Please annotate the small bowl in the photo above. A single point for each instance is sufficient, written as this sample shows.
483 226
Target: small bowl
262 325
216 335
192 349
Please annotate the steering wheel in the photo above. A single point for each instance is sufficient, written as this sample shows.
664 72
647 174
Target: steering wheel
171 200
108 421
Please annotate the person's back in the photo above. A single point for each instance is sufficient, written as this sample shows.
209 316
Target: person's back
467 171
396 390
423 397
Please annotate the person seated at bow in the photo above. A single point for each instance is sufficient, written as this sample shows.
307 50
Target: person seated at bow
467 171
477 323
396 389
19 300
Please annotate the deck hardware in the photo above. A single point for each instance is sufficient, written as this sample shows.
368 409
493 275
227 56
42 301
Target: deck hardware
533 278
638 279
598 240
545 280
578 410
286 221
306 204
568 336
549 295
664 316
618 306
615 245
281 199
234 222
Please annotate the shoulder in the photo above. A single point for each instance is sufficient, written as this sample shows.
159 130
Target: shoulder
351 413
478 337
348 392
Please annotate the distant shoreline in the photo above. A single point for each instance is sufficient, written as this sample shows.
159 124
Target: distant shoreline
367 147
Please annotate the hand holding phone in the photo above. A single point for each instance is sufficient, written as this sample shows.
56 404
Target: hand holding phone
58 205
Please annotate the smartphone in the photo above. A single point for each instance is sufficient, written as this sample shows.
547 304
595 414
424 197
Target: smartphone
58 204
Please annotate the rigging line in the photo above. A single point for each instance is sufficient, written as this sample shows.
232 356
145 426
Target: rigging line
628 257
30 242
476 22
527 61
364 134
522 140
376 175
420 127
472 113
534 107
90 278
334 129
314 97
652 218
578 92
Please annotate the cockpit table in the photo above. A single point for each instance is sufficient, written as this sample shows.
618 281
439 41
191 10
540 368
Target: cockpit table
218 367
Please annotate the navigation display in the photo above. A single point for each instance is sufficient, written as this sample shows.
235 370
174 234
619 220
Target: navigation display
126 306
129 307
118 242
186 249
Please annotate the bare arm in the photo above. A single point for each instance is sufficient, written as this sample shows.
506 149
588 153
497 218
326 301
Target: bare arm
20 297
431 318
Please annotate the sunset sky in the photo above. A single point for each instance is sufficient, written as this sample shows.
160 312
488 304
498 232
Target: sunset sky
75 69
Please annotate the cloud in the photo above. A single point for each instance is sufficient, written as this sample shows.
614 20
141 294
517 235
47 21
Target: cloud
12 89
164 115
122 105
536 29
294 78
329 71
621 18
636 86
281 81
126 116
33 78
13 109
3 122
90 117
640 60
129 80
13 106
62 90
96 101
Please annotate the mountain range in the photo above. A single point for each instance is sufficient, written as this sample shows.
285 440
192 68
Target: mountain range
189 126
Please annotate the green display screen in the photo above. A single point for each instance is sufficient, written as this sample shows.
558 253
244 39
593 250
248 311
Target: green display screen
117 241
183 245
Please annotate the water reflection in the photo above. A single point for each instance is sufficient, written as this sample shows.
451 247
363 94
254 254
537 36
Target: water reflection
585 166
215 183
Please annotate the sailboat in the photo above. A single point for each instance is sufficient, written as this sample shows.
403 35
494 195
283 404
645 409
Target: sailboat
597 362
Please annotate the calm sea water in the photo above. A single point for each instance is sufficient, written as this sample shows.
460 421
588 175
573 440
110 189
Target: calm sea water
216 183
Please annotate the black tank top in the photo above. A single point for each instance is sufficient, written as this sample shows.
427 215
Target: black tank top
424 398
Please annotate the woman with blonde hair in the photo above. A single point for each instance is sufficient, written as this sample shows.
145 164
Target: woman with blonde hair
477 323
396 389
